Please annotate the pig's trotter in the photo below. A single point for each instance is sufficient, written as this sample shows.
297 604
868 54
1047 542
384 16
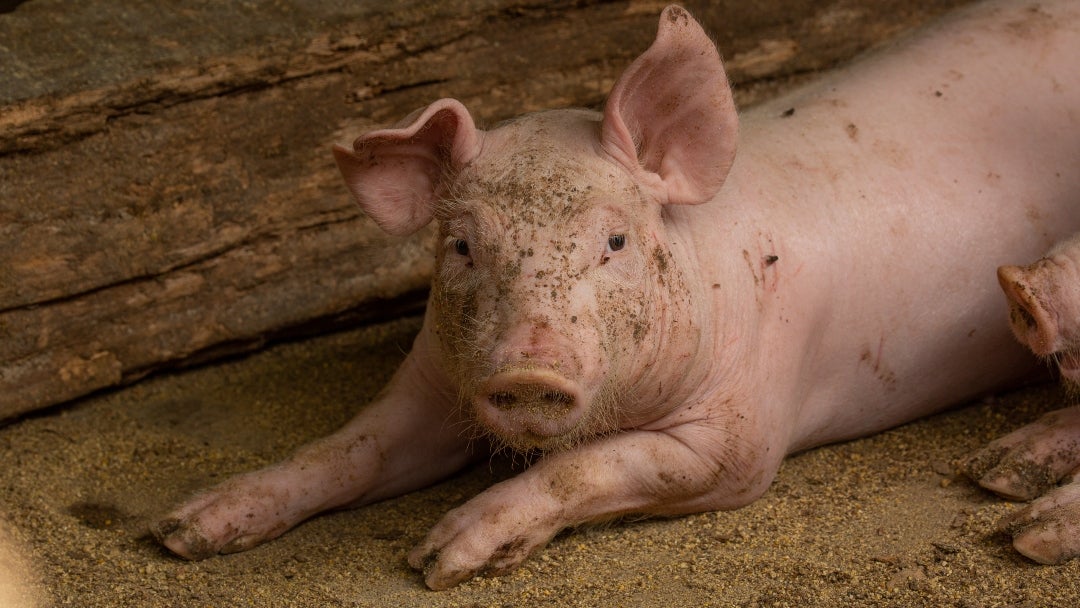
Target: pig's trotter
234 516
1048 530
183 538
1028 464
490 535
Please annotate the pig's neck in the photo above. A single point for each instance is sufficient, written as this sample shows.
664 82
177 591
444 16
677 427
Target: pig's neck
790 338
756 301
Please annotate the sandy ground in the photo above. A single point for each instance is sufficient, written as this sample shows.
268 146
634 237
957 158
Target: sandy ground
883 521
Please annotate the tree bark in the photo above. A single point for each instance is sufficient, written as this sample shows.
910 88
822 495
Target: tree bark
167 195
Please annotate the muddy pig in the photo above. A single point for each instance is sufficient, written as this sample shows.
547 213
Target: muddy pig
658 321
1029 463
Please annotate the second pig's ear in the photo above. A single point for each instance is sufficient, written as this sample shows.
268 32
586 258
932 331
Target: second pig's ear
1033 323
670 118
397 174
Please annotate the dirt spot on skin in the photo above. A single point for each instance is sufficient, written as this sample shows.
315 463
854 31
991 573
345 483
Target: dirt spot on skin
981 462
895 154
1027 479
874 360
1020 317
566 484
661 258
753 269
763 265
507 557
1034 24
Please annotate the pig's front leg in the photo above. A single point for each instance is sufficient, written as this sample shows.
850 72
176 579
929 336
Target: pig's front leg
1028 464
370 458
671 472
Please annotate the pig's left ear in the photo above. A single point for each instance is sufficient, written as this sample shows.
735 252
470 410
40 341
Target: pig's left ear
670 117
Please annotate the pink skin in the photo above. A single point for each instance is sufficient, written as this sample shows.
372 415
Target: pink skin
1029 463
664 323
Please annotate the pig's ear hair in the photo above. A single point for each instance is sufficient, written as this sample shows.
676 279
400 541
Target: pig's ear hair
397 174
670 118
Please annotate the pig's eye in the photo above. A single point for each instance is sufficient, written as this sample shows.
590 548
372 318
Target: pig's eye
616 242
461 247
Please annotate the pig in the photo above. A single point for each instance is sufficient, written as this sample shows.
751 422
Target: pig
653 321
1029 463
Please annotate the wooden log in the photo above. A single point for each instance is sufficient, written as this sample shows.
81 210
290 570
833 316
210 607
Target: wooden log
177 202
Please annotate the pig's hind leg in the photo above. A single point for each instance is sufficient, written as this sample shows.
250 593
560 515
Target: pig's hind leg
372 457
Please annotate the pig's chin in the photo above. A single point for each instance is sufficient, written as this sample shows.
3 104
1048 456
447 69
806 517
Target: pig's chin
531 409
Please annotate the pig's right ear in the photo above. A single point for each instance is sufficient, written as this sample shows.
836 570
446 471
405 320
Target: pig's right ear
398 174
670 118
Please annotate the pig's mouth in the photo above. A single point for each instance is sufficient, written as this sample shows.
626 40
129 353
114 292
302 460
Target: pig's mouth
530 408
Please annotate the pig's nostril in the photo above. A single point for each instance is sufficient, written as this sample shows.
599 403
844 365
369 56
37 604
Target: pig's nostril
503 399
530 395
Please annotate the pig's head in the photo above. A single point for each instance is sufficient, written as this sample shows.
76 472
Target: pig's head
559 304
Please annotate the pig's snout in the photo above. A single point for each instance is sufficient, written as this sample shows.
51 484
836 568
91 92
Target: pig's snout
530 407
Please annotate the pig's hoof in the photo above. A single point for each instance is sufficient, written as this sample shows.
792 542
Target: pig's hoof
1028 462
484 537
1048 530
183 538
235 516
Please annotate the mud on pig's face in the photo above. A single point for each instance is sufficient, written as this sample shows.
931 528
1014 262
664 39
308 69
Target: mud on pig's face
547 266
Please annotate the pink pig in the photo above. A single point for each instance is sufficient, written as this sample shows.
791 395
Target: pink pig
659 322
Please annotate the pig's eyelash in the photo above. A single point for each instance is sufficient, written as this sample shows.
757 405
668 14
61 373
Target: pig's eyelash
457 244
